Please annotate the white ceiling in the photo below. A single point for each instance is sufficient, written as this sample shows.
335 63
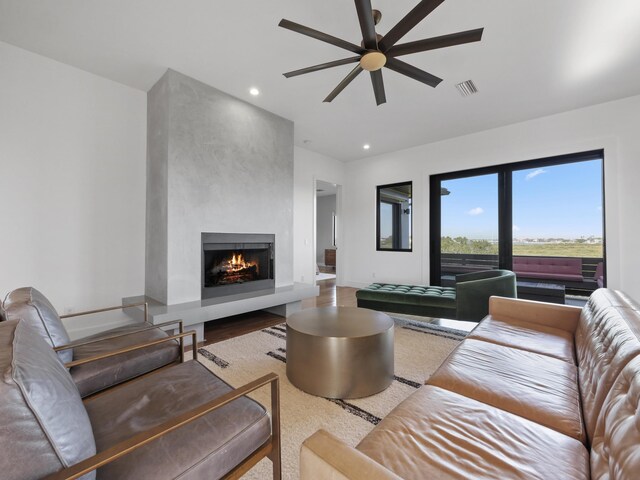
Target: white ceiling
536 58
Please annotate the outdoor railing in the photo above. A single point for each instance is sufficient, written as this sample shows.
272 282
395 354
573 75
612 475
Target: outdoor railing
455 263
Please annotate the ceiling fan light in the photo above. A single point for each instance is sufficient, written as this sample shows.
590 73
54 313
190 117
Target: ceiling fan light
373 61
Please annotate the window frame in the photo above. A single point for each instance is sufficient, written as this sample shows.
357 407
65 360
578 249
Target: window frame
395 224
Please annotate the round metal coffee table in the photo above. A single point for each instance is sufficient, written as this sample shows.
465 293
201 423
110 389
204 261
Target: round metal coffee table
340 352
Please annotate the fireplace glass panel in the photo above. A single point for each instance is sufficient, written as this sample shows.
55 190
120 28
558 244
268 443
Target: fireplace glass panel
236 265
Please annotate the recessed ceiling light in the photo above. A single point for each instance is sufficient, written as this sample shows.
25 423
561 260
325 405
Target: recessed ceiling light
254 91
366 146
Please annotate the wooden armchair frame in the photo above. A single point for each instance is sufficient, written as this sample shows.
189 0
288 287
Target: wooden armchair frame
271 448
178 336
81 342
108 309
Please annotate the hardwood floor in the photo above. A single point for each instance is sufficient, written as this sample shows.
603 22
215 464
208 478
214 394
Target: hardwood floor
330 295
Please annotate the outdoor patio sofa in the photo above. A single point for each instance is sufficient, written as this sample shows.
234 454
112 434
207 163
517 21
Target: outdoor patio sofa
564 269
91 376
177 422
468 300
536 390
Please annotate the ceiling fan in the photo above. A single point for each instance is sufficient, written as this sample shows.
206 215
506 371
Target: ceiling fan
377 51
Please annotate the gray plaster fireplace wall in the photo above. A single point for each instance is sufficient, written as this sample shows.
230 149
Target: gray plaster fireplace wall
215 164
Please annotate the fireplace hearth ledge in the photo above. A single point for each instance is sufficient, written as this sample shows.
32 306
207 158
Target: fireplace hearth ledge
284 301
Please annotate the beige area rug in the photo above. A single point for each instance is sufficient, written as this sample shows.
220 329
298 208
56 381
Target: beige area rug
419 349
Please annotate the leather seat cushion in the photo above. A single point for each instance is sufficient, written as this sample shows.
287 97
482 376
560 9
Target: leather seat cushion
411 294
95 376
537 387
206 448
32 306
532 337
615 449
436 433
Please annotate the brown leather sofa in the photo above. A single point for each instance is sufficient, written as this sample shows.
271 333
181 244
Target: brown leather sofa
536 390
178 422
91 376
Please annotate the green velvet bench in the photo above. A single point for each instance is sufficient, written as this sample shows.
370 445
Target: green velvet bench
468 300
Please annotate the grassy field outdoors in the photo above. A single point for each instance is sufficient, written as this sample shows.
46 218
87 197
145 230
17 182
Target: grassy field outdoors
484 247
591 250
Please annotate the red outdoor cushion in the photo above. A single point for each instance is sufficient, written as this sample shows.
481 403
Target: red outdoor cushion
556 268
551 276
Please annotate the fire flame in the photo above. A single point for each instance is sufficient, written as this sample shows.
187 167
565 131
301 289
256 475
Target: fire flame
238 263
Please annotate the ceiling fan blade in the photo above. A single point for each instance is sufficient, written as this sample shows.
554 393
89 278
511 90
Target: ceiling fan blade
434 43
378 87
322 66
346 81
414 17
367 25
310 32
413 72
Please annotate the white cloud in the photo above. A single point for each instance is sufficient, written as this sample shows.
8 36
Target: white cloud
535 173
476 211
516 228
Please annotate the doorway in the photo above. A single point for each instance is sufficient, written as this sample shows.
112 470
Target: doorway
326 230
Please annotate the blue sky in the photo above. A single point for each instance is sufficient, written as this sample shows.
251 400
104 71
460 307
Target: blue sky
559 201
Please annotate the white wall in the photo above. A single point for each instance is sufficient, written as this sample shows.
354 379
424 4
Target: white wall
309 167
612 126
325 208
72 177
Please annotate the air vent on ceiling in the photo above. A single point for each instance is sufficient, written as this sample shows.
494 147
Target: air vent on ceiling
467 88
319 190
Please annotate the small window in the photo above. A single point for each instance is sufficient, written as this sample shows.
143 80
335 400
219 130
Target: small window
394 217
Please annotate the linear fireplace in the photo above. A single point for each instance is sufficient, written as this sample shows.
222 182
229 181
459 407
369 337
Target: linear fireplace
237 263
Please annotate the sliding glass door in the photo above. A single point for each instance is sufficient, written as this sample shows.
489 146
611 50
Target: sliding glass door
543 219
469 225
557 217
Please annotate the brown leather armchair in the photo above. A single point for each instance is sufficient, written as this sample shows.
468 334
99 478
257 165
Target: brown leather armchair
90 376
178 422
